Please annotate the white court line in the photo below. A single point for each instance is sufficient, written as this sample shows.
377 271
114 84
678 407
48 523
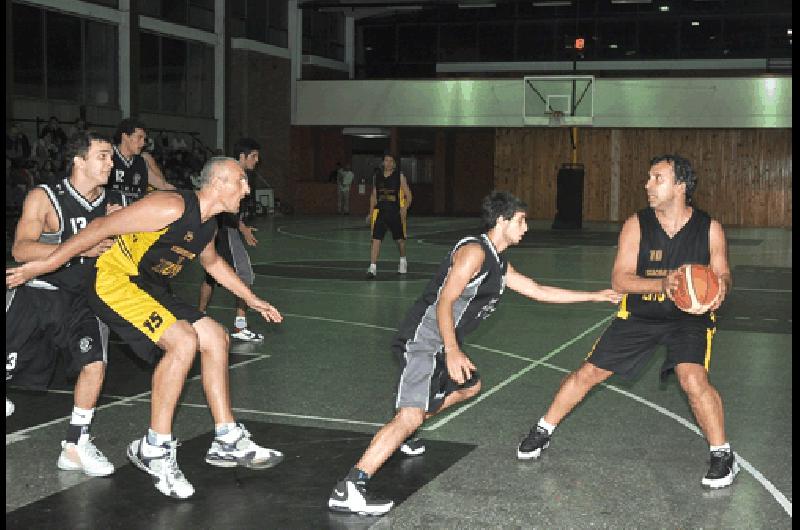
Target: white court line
22 434
776 494
460 410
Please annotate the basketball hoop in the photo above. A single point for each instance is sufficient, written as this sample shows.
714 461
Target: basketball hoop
555 118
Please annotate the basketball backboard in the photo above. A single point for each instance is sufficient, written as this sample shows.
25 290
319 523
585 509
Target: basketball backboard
566 100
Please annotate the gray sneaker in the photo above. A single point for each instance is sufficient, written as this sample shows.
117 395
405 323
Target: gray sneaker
242 452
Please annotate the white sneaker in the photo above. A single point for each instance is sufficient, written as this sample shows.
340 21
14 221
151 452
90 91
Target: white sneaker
167 477
241 451
9 407
247 335
352 497
403 267
89 458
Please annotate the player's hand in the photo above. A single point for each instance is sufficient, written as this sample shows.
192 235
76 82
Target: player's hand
723 291
99 248
16 276
111 208
609 295
267 311
670 283
459 366
247 233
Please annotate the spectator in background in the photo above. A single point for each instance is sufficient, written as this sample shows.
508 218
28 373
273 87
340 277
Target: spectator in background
57 136
77 127
334 174
18 147
344 180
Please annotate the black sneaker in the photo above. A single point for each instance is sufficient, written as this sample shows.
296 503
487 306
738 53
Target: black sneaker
412 446
533 444
349 496
722 470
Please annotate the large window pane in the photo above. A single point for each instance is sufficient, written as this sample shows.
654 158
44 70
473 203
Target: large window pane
256 22
63 56
101 63
28 53
277 23
173 75
419 43
201 14
200 76
148 71
174 11
496 41
379 44
458 42
658 39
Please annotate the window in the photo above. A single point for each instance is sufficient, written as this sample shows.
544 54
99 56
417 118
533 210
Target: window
28 50
101 63
658 39
59 56
418 44
176 76
458 42
496 41
535 42
63 35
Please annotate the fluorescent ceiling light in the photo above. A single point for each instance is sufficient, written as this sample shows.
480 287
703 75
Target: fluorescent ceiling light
789 31
663 8
366 132
470 5
612 46
631 1
695 23
552 3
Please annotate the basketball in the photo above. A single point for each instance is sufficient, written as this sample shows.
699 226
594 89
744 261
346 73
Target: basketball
697 289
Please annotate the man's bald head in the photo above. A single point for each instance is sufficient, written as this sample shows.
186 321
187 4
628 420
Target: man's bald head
218 166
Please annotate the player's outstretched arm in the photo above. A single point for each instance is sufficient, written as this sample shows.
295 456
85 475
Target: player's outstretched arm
224 274
555 295
151 213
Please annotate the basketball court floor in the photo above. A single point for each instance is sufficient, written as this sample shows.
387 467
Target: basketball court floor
630 456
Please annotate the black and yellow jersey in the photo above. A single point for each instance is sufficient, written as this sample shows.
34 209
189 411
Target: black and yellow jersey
387 190
659 254
156 257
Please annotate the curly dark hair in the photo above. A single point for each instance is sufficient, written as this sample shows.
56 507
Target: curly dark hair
500 204
683 172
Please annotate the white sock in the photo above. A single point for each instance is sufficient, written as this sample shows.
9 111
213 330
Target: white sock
546 426
227 432
240 322
402 259
373 267
153 443
724 447
81 416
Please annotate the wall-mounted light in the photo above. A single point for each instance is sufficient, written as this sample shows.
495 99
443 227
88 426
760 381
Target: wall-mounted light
366 132
695 23
663 9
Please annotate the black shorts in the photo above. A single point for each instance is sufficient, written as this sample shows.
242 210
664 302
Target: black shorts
425 382
387 219
627 344
43 323
138 312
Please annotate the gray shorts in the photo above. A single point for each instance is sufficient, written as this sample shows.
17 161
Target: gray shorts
424 382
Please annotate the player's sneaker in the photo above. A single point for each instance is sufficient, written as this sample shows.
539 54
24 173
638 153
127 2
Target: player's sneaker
241 451
167 477
9 407
412 446
350 496
247 335
84 456
372 271
402 268
533 444
722 471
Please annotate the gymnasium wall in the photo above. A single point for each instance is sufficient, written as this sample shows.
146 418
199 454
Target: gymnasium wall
745 175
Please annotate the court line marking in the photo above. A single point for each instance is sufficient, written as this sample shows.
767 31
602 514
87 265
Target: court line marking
776 494
22 434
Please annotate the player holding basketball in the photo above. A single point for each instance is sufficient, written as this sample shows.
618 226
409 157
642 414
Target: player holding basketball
653 243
